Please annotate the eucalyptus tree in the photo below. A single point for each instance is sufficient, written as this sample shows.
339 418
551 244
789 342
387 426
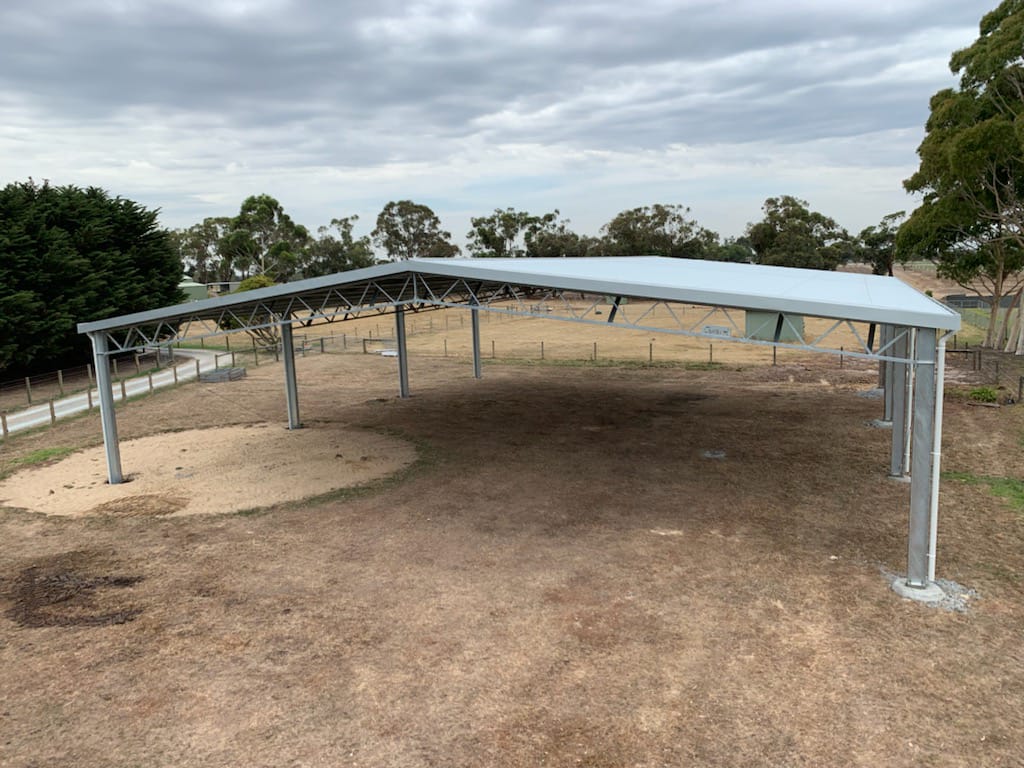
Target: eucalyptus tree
508 233
336 249
876 245
792 235
200 251
657 230
971 175
263 240
408 230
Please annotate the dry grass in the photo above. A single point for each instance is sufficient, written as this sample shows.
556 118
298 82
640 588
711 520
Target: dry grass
564 581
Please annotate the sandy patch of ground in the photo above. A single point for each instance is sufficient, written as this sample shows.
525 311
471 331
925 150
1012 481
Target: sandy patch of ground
217 470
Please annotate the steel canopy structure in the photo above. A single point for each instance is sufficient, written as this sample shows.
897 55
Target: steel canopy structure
892 323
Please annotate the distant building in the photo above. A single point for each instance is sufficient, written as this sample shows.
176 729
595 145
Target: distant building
973 301
193 291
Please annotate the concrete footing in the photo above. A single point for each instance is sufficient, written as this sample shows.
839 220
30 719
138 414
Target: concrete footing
930 594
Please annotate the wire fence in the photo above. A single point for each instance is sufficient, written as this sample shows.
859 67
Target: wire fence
42 387
980 318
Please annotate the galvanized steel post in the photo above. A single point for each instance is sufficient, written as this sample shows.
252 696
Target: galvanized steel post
403 355
107 417
919 555
290 383
478 371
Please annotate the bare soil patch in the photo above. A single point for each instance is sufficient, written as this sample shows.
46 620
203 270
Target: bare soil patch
215 470
72 589
565 580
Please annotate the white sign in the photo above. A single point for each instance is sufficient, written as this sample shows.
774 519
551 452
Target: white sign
717 330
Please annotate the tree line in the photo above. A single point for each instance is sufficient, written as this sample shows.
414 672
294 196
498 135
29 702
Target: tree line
263 240
71 255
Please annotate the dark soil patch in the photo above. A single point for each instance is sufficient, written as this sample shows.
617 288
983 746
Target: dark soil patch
72 589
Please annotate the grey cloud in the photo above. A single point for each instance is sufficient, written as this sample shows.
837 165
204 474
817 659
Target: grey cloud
332 78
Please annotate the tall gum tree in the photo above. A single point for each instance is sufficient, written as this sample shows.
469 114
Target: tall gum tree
971 175
408 230
658 230
507 233
263 240
792 235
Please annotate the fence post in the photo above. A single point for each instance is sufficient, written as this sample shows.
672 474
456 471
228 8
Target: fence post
113 362
711 353
60 381
446 347
321 345
138 365
174 368
227 340
492 347
595 351
124 392
53 413
542 350
28 389
255 356
232 359
650 352
150 377
3 423
841 356
88 372
88 398
197 369
344 341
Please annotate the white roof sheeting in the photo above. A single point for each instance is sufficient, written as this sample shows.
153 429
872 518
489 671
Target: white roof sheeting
839 295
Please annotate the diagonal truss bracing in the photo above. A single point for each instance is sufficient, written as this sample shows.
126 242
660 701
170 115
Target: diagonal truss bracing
419 292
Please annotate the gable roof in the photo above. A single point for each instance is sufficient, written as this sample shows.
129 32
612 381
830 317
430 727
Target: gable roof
839 295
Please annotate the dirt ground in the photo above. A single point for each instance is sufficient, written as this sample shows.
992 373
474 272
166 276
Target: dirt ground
204 471
565 576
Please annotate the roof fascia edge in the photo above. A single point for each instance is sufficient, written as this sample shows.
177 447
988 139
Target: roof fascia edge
248 297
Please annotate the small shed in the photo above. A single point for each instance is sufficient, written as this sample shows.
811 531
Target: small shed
193 291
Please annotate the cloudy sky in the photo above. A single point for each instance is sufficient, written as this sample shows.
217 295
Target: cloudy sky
590 107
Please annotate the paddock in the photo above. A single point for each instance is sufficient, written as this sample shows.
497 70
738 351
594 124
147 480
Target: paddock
562 578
